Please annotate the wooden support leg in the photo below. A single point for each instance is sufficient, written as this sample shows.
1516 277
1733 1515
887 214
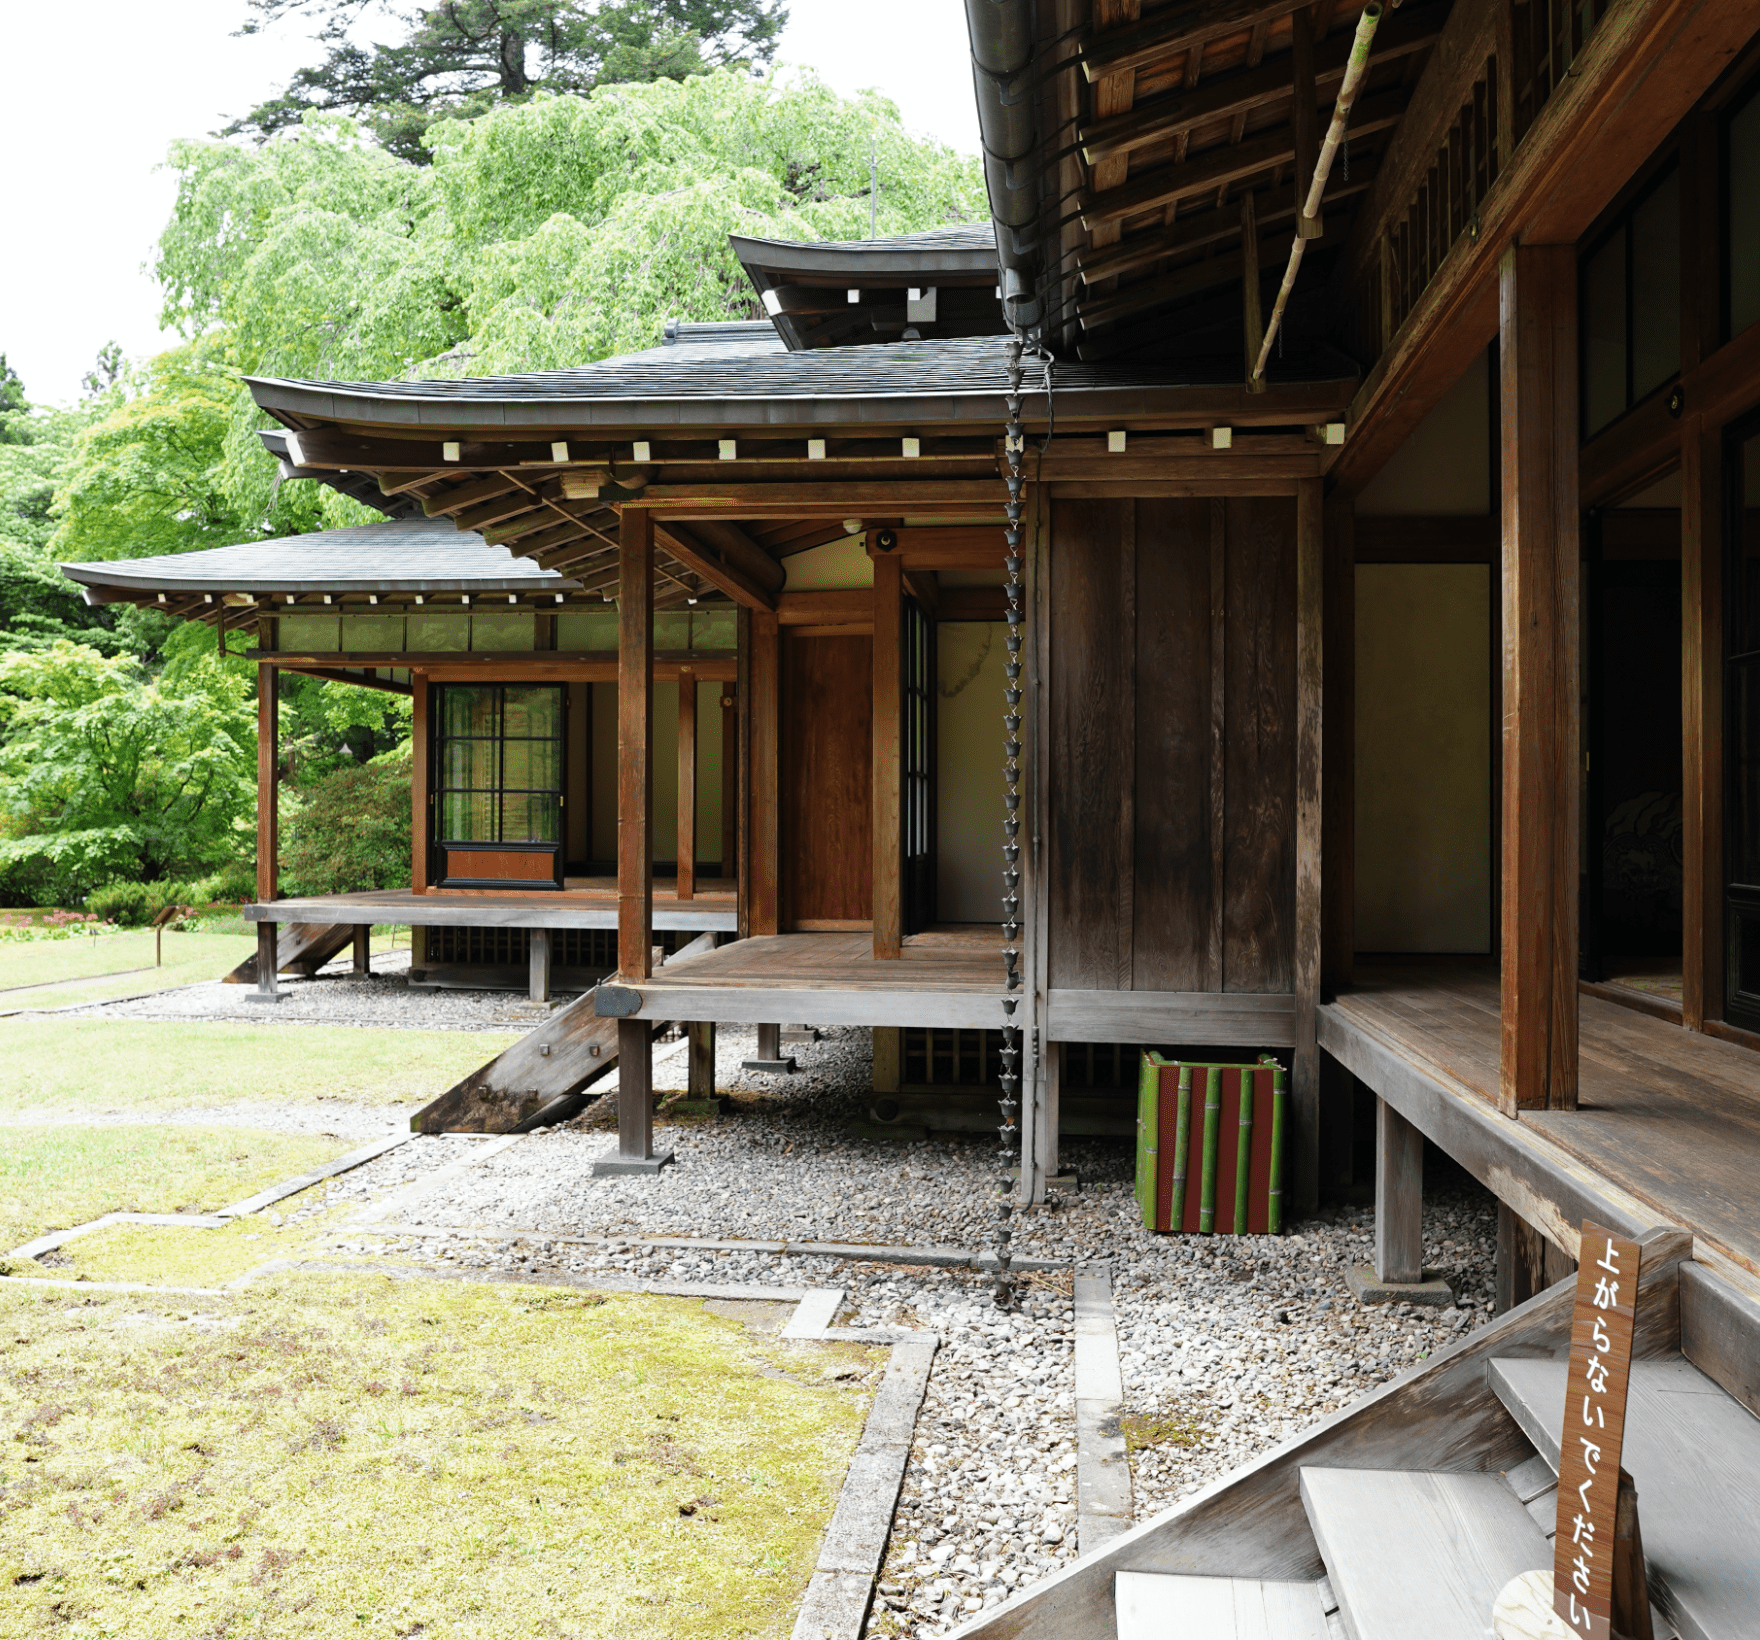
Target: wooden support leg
363 948
701 1082
635 1091
540 964
268 962
888 1058
1527 1262
418 953
769 1041
1046 1121
1399 1197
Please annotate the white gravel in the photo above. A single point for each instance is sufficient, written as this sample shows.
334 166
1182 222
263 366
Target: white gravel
1228 1345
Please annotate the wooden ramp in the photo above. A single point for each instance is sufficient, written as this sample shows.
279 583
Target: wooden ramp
827 979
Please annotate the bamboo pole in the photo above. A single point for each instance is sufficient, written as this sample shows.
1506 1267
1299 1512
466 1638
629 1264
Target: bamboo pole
1243 1155
1182 1149
1212 1125
1279 1103
1356 71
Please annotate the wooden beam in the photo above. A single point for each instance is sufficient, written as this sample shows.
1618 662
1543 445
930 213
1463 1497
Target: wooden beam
635 748
268 780
1216 167
1702 887
1541 767
739 551
828 608
686 853
1173 32
1408 30
952 546
886 608
1304 1187
762 707
694 555
462 497
852 495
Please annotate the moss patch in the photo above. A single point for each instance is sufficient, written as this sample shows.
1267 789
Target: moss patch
128 1064
341 1455
63 972
1153 1429
52 1178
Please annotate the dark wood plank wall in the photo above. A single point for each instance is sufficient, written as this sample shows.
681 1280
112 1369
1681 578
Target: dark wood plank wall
1157 880
827 779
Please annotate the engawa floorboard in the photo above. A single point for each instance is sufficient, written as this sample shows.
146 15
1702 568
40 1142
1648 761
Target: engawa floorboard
1670 1115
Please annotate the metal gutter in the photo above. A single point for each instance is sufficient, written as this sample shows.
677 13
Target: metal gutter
1001 33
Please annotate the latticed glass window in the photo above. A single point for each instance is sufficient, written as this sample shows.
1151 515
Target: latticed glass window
499 763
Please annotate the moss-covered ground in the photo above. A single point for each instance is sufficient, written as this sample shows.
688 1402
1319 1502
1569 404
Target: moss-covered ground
359 1455
96 968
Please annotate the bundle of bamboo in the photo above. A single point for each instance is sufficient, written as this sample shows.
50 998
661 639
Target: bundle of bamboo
1240 1158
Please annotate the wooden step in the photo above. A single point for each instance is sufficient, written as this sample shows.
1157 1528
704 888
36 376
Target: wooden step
1156 1606
1694 1454
1413 1553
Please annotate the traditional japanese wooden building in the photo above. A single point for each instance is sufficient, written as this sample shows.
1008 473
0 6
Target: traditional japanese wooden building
1386 633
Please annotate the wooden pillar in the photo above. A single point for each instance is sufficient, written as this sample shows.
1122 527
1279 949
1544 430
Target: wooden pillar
1527 1263
538 946
1049 1120
770 1043
762 728
1255 321
888 1058
1399 1197
363 948
635 752
635 1091
421 829
1702 889
1303 1187
700 1078
1338 940
687 784
268 962
268 779
1537 353
888 755
729 866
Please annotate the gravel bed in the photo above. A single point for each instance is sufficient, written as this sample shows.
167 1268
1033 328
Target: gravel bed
382 999
1228 1345
426 1153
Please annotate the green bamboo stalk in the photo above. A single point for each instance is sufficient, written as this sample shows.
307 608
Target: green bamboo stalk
1274 1206
1244 1150
1148 1135
1182 1145
1212 1123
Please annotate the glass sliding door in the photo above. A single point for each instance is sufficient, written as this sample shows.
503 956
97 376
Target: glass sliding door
497 801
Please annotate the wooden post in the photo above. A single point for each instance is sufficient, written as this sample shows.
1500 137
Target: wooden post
888 755
268 780
700 1080
1702 889
687 784
268 961
363 948
1537 355
729 867
1527 1262
888 1058
538 946
1049 1131
770 1043
1399 1197
635 1091
763 728
1302 1181
635 753
1255 322
1305 117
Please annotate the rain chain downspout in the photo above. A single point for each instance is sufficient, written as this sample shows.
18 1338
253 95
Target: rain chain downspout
1009 1134
1356 71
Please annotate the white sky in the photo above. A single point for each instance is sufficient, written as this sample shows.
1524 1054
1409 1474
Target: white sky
83 201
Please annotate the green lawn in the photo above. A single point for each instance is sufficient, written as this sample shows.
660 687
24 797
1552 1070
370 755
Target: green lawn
321 1456
52 1178
96 1065
112 965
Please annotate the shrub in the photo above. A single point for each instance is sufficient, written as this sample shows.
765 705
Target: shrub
129 904
351 831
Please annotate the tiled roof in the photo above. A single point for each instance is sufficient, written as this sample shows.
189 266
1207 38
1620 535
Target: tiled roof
398 555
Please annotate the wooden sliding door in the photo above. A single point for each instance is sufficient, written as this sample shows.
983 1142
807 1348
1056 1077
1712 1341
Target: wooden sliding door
826 781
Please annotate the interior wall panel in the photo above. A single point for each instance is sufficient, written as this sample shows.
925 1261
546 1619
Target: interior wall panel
827 779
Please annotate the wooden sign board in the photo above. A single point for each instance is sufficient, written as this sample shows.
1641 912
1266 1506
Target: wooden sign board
1594 1430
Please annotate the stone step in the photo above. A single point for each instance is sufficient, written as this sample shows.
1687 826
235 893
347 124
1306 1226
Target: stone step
1693 1452
1156 1606
1412 1553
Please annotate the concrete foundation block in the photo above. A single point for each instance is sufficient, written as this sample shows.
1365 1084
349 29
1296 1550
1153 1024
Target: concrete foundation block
1433 1292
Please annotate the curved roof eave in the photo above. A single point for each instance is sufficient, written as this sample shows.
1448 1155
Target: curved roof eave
865 257
105 575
